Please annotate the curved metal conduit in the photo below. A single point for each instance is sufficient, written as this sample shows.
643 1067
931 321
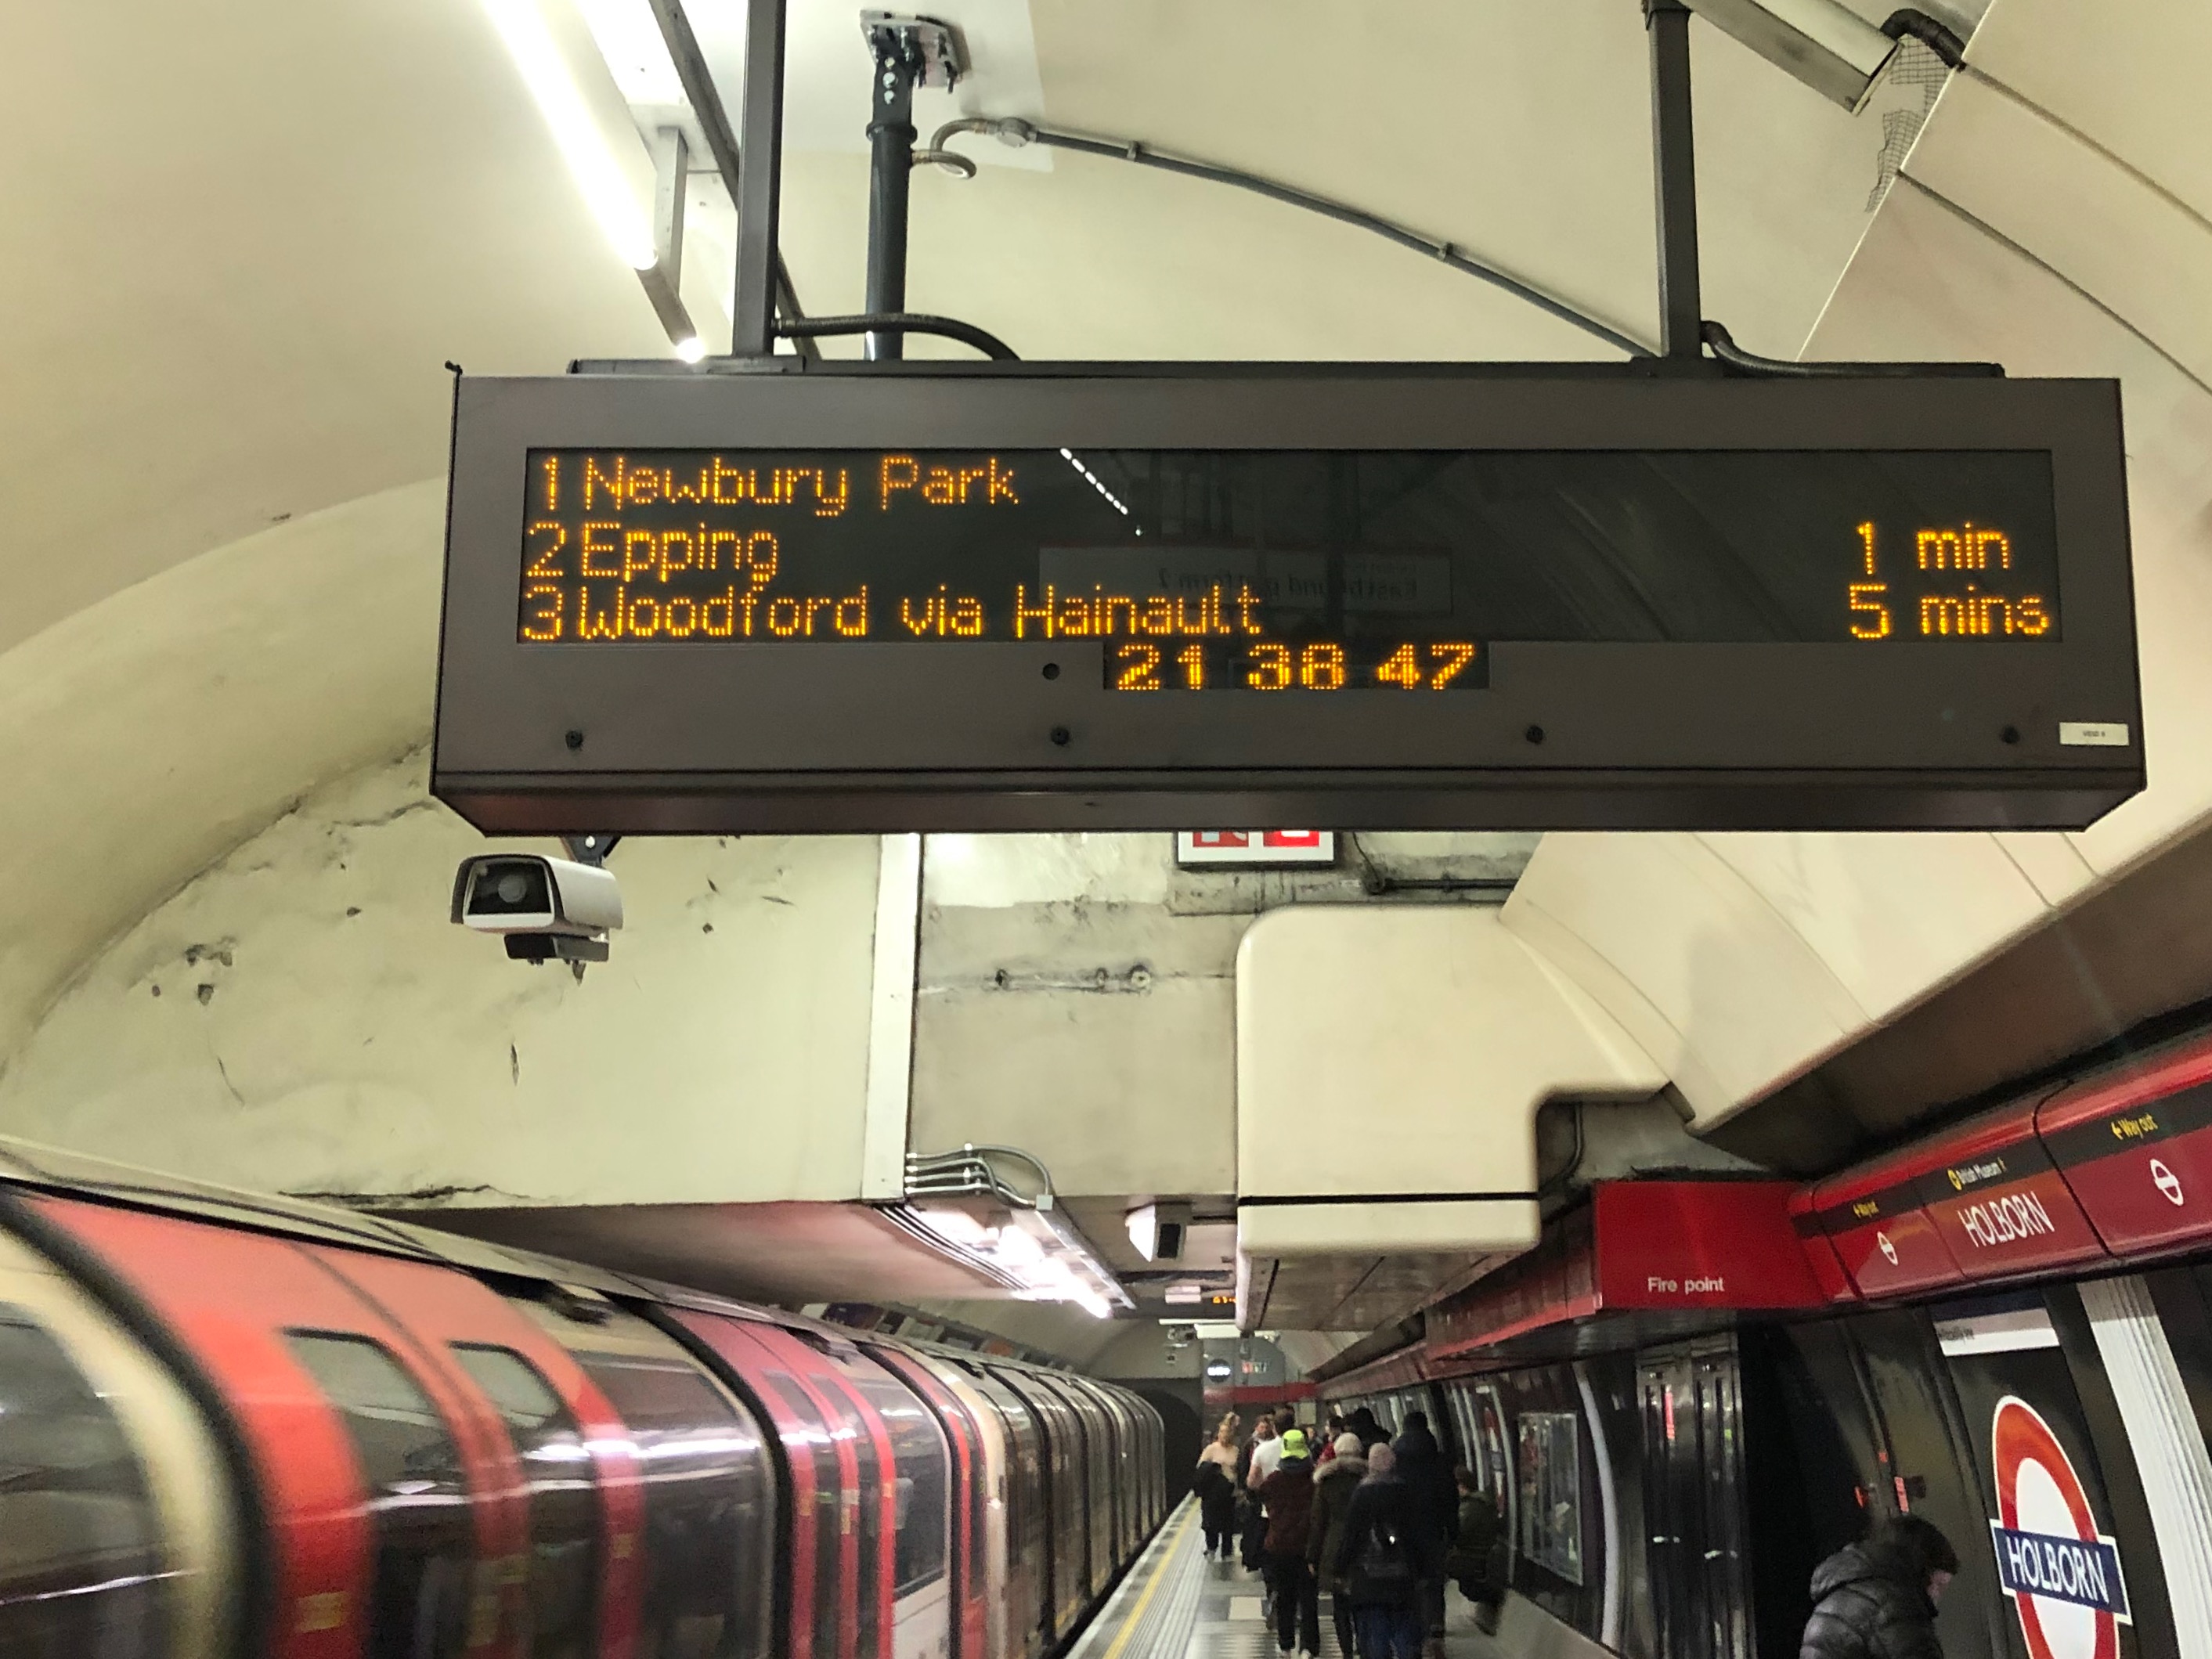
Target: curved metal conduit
1019 133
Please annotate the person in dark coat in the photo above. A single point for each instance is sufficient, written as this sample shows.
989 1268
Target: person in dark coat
1380 1562
1334 1482
1470 1561
1877 1600
1288 1495
1435 1501
1362 1423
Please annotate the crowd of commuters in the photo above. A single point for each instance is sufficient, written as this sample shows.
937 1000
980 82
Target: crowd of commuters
1377 1524
1381 1526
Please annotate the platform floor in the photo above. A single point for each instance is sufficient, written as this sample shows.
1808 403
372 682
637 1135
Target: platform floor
1176 1604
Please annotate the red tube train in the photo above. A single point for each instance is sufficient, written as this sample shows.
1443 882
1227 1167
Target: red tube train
230 1425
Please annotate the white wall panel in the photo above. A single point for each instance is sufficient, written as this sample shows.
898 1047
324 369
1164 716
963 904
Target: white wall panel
2140 252
1404 1050
2130 73
1888 915
1742 997
2051 861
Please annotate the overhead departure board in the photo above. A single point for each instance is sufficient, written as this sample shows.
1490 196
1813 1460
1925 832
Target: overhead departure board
1368 597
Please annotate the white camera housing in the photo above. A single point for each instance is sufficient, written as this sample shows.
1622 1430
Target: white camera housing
546 908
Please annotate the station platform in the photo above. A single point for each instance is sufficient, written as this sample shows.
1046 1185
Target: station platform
1176 1604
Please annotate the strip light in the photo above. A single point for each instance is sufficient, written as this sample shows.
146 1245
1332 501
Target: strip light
598 177
1028 1253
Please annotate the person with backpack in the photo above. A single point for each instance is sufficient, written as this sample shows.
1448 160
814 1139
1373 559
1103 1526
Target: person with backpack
1380 1564
1288 1495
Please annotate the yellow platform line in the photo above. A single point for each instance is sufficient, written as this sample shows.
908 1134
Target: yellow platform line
1136 1613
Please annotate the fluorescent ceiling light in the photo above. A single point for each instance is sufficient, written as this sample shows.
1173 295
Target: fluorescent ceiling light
629 38
599 176
1025 1252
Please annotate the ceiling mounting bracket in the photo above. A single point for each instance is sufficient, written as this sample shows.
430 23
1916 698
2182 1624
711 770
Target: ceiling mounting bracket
909 52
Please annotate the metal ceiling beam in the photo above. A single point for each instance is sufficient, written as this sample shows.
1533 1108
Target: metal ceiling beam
699 91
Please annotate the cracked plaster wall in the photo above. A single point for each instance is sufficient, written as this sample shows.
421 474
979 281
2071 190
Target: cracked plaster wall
302 1017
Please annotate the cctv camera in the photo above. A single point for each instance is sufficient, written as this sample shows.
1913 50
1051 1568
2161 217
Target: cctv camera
547 908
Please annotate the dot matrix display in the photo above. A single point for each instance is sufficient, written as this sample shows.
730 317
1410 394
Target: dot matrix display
1287 573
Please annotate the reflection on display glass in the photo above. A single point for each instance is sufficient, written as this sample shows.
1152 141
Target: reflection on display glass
1316 571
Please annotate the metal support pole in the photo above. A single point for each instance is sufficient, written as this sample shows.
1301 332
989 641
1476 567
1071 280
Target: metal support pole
891 143
1667 23
760 180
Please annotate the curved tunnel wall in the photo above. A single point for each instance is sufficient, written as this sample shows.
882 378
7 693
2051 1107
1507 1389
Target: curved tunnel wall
2055 216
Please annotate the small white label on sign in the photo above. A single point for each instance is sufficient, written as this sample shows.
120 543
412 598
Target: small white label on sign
1996 1333
2093 734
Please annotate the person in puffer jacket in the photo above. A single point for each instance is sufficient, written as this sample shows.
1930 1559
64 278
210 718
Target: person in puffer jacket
1334 1482
1877 1600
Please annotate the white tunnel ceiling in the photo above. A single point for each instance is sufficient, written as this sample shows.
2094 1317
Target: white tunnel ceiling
243 238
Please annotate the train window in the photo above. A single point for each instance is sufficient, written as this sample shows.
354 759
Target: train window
707 1535
417 1494
921 1485
564 1504
82 1569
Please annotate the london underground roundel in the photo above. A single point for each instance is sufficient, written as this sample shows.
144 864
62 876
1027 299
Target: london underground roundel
2061 1573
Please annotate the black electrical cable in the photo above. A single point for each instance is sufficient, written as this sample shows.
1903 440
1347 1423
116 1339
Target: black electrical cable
899 322
1025 132
1910 21
1750 363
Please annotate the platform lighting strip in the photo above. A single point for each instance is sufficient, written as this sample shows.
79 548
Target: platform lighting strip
1042 1271
1096 483
598 177
583 144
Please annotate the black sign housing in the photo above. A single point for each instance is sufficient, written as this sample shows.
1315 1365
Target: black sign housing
1077 597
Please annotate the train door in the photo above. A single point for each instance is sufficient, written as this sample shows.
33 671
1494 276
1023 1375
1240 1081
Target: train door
1067 1546
969 1502
1111 1465
1095 1441
550 1578
820 1558
1028 1518
701 1543
915 1469
1693 1501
